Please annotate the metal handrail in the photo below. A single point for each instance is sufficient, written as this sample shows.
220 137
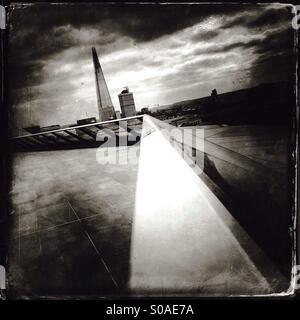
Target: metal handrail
77 127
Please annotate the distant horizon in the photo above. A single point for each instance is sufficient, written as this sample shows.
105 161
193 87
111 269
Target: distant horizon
164 54
172 103
184 100
220 93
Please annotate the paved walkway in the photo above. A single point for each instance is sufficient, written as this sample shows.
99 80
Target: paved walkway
82 228
71 224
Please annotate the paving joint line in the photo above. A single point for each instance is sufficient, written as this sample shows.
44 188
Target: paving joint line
95 248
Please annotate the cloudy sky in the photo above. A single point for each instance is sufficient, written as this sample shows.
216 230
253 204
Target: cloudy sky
164 53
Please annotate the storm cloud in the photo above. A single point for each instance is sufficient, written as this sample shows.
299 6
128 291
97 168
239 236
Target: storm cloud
164 53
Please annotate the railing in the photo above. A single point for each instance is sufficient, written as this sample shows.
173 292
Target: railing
126 130
182 210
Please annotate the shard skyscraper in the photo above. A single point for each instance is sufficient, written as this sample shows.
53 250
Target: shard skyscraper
105 106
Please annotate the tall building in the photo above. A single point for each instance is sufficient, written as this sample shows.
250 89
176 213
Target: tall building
127 103
105 106
118 114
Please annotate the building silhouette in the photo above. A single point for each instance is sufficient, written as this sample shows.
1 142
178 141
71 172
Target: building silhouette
118 114
127 103
105 106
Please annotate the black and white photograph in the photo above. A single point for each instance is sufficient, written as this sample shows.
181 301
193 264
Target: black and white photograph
151 151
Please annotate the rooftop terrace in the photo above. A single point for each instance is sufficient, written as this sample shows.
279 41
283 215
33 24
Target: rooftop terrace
154 226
